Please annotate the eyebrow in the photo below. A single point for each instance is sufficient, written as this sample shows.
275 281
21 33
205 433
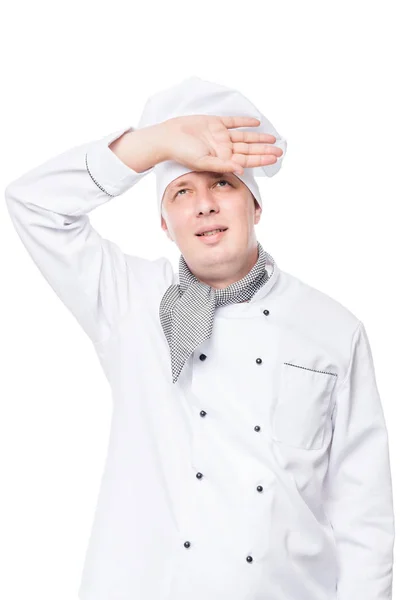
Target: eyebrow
211 174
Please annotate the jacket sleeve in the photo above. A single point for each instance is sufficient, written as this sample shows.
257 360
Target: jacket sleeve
49 208
359 500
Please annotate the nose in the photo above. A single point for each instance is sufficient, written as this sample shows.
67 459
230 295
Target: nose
206 202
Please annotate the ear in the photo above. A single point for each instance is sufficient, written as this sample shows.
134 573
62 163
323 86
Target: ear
257 212
165 228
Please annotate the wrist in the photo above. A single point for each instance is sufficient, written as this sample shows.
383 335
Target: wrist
160 136
150 145
139 149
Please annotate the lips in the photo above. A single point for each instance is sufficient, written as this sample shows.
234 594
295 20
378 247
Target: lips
210 239
211 229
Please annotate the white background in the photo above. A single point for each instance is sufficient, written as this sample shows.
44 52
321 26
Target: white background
325 74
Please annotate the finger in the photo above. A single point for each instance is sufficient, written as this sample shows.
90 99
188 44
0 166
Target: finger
230 122
251 136
243 148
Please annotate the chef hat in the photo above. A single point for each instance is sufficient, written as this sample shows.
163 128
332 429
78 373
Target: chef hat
194 96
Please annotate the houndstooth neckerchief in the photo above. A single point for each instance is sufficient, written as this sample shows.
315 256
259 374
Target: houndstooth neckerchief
187 309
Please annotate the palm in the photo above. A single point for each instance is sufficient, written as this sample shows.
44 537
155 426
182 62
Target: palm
211 143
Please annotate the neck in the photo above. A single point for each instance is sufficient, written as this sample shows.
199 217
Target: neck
246 268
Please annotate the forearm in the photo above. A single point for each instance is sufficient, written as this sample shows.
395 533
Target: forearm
72 183
143 148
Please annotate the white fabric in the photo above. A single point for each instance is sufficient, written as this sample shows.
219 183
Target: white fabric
322 528
194 95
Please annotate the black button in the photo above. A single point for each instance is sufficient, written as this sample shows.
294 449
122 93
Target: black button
202 357
203 413
249 558
258 361
266 312
260 488
257 428
187 544
199 475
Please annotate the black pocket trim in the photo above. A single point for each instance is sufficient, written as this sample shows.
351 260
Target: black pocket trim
308 369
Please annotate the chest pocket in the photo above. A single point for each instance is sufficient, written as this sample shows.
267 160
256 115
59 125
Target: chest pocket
303 405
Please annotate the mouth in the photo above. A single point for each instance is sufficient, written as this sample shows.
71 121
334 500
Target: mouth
212 237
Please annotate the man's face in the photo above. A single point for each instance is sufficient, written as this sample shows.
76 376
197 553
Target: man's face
205 199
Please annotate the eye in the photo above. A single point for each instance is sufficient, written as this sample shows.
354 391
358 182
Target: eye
223 180
219 181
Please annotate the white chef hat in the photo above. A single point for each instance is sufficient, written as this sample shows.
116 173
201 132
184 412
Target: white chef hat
194 96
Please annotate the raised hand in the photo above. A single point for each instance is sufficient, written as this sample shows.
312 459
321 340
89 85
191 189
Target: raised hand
210 143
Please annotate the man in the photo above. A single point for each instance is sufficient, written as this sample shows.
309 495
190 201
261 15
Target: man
248 454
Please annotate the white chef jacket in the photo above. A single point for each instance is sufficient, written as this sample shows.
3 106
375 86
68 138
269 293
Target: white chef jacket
264 473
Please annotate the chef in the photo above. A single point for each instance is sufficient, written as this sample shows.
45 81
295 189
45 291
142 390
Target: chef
248 454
